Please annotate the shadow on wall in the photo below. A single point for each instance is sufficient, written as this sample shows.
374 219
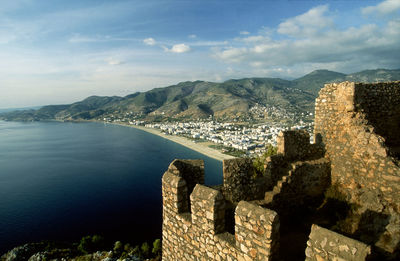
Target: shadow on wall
336 214
371 226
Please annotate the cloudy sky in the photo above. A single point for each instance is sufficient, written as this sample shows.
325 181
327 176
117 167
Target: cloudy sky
54 52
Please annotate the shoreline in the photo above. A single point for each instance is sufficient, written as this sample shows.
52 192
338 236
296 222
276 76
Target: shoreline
203 149
198 147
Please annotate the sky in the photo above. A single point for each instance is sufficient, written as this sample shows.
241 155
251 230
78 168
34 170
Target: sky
57 51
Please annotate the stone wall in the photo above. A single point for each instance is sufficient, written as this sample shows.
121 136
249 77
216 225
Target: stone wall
240 182
359 126
299 172
324 244
355 155
295 145
305 186
380 104
203 223
198 232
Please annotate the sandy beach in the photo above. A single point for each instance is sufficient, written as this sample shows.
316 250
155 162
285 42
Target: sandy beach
201 147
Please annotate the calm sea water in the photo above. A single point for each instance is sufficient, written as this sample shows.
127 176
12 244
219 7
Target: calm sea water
62 181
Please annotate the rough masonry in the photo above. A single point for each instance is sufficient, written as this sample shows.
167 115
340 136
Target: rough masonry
360 129
286 214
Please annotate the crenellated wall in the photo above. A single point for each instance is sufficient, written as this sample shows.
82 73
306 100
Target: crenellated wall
240 182
295 145
203 223
199 234
324 244
355 155
359 125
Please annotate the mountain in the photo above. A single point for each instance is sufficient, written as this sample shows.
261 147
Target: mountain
378 75
231 99
315 80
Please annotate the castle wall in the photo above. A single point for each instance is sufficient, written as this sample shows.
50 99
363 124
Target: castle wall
324 244
240 182
299 172
197 233
295 145
356 153
354 120
307 182
380 104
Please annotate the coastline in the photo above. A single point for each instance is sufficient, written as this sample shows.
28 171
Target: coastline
199 147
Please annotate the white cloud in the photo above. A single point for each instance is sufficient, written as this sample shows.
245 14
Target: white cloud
307 24
178 48
192 36
113 61
386 7
209 43
254 39
77 38
316 43
149 41
244 33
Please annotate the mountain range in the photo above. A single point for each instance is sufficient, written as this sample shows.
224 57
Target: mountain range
200 99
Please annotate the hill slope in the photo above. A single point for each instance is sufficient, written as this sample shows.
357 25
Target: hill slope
199 99
315 80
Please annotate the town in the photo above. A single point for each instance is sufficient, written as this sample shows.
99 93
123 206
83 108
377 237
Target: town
238 139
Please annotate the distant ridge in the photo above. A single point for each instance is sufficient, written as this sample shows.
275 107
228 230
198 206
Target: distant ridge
315 80
200 99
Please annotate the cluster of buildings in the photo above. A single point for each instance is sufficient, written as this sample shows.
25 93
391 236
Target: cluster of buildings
229 136
250 139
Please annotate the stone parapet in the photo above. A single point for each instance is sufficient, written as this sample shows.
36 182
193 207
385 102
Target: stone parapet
175 193
208 209
324 244
240 182
199 232
295 145
257 232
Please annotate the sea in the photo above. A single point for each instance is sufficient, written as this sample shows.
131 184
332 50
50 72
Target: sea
62 181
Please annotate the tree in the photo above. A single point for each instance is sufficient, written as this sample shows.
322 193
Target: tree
84 244
136 251
118 247
90 244
145 249
128 248
156 247
259 161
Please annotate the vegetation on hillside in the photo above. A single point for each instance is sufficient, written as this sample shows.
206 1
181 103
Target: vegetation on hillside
199 99
88 248
259 161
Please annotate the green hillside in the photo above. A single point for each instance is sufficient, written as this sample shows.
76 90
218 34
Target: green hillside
199 99
315 80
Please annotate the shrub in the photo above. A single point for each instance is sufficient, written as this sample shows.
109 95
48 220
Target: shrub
259 161
156 247
118 247
145 249
90 244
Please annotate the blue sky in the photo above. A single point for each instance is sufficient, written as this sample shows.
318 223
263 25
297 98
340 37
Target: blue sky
57 51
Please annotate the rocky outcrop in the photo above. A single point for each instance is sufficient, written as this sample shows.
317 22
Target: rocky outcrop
38 252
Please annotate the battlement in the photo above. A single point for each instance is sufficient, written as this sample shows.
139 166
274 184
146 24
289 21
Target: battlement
248 217
200 231
231 222
295 145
